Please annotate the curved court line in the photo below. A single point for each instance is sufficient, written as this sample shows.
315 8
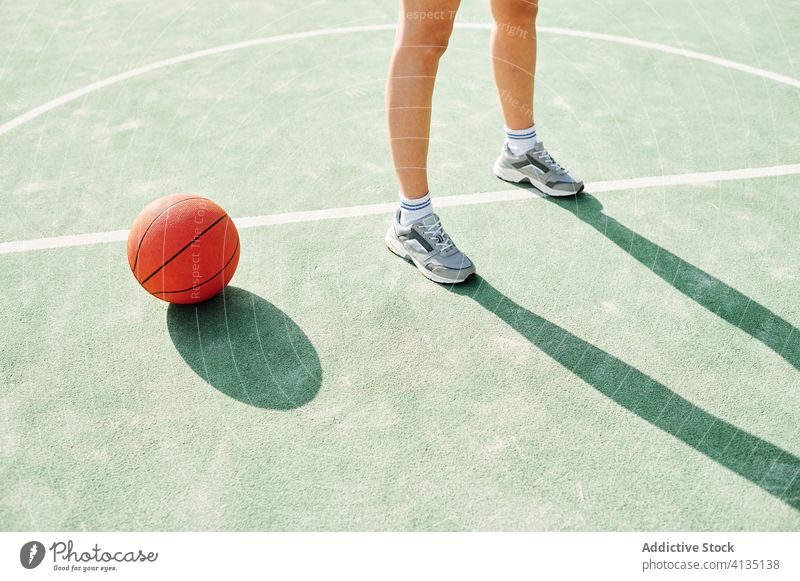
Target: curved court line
708 177
97 85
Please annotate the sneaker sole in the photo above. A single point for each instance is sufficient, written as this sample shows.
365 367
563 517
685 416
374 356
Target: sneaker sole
517 177
395 247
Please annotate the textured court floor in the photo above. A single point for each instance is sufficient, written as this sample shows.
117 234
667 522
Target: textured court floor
628 360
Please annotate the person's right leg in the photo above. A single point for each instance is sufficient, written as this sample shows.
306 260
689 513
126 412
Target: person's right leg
416 233
422 35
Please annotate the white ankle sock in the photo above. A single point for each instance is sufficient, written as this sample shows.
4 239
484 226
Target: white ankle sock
413 210
521 140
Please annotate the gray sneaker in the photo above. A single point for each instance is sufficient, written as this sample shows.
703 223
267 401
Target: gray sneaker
541 170
427 245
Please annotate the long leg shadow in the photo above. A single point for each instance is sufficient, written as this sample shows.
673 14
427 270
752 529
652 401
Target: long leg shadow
764 464
248 349
724 301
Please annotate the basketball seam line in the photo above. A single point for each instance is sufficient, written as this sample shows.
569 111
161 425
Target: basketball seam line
150 225
192 241
205 281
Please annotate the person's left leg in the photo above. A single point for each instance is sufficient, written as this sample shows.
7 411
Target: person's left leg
514 65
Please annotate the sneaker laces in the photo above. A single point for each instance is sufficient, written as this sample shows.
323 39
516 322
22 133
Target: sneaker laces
545 156
436 233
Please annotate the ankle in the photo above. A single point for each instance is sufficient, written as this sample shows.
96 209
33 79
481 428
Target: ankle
520 141
412 210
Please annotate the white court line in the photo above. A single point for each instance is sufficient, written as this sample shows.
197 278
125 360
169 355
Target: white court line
441 202
97 85
460 200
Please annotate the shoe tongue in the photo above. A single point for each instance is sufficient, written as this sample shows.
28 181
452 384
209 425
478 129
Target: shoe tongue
429 220
536 149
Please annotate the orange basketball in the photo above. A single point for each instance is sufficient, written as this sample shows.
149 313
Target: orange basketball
183 248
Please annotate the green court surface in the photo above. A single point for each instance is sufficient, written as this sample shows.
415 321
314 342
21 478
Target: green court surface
627 360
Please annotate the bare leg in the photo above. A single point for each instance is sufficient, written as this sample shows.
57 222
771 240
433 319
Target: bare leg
514 65
422 35
514 58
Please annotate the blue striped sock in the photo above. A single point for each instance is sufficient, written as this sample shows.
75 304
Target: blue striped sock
521 140
413 210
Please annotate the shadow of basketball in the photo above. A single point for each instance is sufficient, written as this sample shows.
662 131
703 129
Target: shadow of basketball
248 349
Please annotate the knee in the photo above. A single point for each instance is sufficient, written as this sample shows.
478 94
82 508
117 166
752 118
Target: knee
519 13
427 34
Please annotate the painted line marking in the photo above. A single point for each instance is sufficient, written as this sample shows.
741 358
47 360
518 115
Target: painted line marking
118 78
97 85
441 202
